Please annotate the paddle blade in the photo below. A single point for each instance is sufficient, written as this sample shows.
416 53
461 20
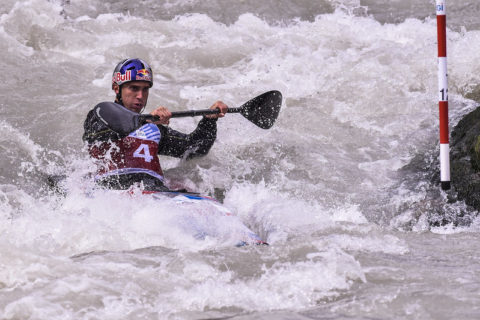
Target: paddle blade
263 110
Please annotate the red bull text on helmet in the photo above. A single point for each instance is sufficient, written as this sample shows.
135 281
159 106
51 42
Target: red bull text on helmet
120 78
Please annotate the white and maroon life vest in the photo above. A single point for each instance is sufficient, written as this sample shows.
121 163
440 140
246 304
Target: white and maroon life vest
135 153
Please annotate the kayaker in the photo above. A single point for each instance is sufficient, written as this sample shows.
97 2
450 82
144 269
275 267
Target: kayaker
127 158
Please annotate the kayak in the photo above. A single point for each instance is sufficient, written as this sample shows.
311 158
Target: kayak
205 217
198 216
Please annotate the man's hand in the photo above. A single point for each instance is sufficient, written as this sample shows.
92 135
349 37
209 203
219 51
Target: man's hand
163 113
220 106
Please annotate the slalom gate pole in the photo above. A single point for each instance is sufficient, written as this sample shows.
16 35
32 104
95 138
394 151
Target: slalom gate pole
443 94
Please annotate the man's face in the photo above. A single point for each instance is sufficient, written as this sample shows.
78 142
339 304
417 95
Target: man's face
134 95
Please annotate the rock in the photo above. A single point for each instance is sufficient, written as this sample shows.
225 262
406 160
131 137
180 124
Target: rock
460 205
465 159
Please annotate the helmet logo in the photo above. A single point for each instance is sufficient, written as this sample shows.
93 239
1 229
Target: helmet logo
119 78
143 75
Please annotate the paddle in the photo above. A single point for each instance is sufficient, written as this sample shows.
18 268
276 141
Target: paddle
261 111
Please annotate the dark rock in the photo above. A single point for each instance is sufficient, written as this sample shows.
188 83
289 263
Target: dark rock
465 159
460 205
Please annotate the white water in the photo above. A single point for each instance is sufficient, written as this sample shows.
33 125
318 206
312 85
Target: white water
348 228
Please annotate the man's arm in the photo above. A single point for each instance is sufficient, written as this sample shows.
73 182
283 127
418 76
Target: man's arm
108 120
97 130
197 143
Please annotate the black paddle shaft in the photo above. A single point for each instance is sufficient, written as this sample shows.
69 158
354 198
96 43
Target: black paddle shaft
202 112
262 110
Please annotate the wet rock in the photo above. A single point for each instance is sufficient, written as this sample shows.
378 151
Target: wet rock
465 159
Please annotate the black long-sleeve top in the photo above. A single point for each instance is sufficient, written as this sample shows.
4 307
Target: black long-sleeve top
106 126
109 122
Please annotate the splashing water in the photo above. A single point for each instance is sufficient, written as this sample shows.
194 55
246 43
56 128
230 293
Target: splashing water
327 187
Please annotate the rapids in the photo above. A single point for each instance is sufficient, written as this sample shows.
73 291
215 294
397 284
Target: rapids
343 187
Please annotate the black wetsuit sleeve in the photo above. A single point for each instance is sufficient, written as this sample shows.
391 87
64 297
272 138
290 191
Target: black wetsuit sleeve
97 130
197 143
109 121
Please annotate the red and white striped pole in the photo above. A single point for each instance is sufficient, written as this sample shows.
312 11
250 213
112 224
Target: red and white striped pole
443 94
